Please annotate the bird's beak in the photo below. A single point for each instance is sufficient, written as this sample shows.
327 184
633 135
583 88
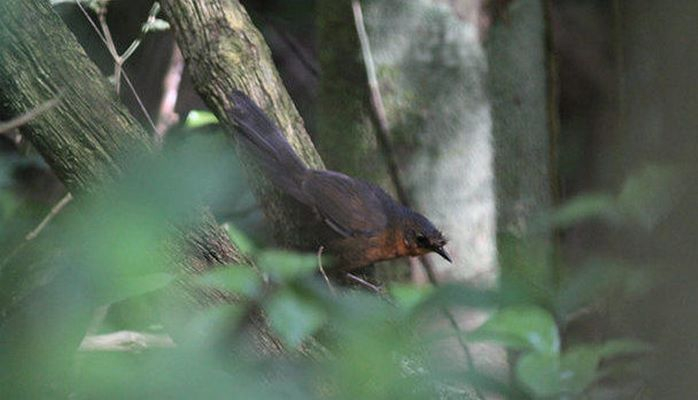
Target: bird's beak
443 253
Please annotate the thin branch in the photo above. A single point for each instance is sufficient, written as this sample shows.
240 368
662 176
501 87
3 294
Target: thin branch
52 214
170 91
112 50
365 283
322 270
126 341
36 231
28 116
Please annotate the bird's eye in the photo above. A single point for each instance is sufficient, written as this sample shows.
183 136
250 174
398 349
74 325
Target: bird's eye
422 241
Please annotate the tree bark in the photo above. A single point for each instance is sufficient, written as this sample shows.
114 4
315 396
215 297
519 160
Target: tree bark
521 115
431 69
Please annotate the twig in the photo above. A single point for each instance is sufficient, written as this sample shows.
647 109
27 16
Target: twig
126 341
54 211
28 116
112 50
36 231
170 90
322 270
365 283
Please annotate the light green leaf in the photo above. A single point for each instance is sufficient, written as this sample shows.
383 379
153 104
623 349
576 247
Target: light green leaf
211 325
584 207
243 243
132 286
286 265
409 296
578 368
198 118
294 317
539 373
620 347
649 195
521 327
236 279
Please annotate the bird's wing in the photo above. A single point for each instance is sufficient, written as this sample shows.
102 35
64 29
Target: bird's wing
349 206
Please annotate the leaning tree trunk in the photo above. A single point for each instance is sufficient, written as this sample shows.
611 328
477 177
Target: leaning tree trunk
225 51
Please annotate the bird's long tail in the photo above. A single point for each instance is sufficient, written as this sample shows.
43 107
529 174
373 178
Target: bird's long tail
269 145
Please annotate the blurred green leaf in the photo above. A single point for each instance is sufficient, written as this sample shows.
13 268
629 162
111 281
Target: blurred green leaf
131 286
8 204
539 372
211 325
621 347
294 317
597 279
409 296
584 207
521 327
198 118
242 242
648 195
458 294
238 279
286 265
578 368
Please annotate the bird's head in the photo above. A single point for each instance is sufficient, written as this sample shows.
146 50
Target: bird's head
420 237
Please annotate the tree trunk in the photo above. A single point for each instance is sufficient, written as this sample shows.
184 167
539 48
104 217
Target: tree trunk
432 76
521 114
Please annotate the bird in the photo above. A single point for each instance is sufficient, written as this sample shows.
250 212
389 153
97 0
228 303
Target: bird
361 223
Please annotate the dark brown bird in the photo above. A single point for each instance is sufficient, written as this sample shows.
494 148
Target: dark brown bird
365 224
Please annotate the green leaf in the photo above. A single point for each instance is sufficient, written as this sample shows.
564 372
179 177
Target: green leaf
539 373
294 317
132 286
211 325
584 207
649 195
286 265
236 279
198 118
409 296
578 368
243 243
521 327
621 347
